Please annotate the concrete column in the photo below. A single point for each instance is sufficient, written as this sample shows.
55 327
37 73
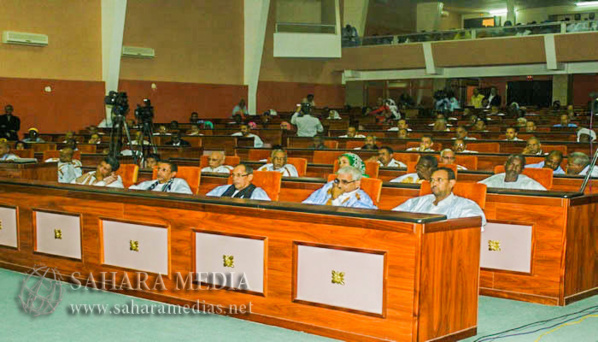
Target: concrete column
355 94
429 16
355 13
511 11
113 28
561 88
256 18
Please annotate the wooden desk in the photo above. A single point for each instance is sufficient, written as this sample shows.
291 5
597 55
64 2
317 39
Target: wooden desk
420 271
33 171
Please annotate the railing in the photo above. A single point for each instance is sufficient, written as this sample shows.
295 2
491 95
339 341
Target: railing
305 28
478 33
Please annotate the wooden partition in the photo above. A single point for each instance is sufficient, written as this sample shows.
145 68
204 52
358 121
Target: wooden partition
350 274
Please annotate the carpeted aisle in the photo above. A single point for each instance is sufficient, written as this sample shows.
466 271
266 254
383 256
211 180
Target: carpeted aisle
495 316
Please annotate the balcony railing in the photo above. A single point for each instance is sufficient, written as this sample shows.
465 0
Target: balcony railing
305 28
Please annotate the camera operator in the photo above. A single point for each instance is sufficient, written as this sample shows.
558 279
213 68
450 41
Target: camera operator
307 125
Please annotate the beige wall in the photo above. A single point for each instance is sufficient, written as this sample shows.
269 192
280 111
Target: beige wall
74 32
393 17
453 21
196 41
299 11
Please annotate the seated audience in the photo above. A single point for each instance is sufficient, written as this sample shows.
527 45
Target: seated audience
68 136
447 156
565 122
242 187
578 164
174 125
480 126
552 161
307 125
33 136
194 118
150 161
279 164
245 133
5 154
240 109
332 114
370 143
216 164
440 125
94 139
166 180
442 200
351 159
177 141
585 135
403 134
512 177
401 124
425 145
511 134
530 126
9 124
344 191
460 146
104 175
318 143
352 133
139 139
385 158
533 147
461 133
194 130
68 168
423 171
19 146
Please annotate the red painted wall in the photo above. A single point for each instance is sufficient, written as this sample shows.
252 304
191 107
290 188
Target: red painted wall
583 85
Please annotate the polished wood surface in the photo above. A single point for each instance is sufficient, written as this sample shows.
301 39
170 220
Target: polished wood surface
418 258
38 171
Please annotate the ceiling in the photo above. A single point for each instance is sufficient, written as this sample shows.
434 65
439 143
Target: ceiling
485 5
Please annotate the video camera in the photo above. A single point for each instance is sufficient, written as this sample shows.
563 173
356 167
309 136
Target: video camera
146 113
118 101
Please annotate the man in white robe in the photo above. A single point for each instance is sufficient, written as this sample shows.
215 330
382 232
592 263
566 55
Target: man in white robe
533 147
352 133
257 141
344 191
512 177
447 156
279 164
423 171
216 164
241 187
166 181
104 175
68 168
5 154
385 158
579 164
442 200
552 161
425 145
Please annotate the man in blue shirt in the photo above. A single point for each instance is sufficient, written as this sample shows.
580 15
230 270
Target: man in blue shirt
565 122
552 161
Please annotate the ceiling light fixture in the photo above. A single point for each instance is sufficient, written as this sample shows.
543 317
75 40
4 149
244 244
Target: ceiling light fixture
499 12
587 3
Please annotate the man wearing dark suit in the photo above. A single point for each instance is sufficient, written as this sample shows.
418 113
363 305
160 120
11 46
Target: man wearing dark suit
9 124
494 99
177 141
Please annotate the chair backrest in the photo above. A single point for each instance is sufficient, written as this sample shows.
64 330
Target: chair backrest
468 161
353 144
299 163
41 147
87 148
270 181
128 173
484 147
550 148
371 186
406 157
372 169
191 174
258 154
332 144
326 157
56 153
436 147
543 176
27 153
228 160
411 167
473 191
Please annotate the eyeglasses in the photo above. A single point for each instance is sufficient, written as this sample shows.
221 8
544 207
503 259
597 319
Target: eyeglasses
213 159
238 175
343 181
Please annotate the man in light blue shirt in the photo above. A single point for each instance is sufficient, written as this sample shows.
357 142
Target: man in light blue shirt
344 191
307 125
241 187
565 122
552 161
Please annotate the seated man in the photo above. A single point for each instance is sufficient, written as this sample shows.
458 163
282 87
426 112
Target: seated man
344 191
139 139
425 145
104 175
5 154
33 136
68 168
403 134
511 134
447 156
241 187
151 160
533 147
480 126
440 125
512 178
565 122
177 141
423 171
585 135
579 164
460 146
461 133
166 180
318 143
352 133
95 139
401 124
257 142
279 163
442 200
216 164
68 136
530 126
385 158
194 130
552 161
370 143
162 130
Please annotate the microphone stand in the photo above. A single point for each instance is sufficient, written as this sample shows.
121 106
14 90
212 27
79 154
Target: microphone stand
595 157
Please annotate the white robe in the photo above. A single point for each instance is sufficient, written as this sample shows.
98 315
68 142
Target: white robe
419 150
257 194
179 186
410 178
523 183
9 156
257 141
354 199
220 169
452 206
357 136
288 170
90 179
586 169
67 172
393 163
